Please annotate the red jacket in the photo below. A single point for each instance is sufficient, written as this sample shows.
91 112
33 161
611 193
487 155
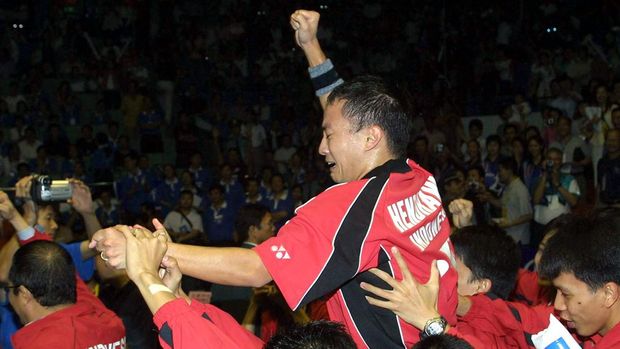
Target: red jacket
500 324
528 290
86 324
198 325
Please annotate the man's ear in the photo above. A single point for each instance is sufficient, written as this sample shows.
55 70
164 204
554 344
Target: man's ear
374 135
611 293
484 285
24 294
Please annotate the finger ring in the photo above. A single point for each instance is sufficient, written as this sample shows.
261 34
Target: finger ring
103 256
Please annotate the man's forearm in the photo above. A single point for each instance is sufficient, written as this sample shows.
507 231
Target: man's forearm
227 266
314 53
91 222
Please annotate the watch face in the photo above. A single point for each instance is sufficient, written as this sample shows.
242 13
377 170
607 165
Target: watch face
435 328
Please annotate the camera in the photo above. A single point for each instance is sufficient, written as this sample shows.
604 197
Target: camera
439 148
550 121
45 189
549 166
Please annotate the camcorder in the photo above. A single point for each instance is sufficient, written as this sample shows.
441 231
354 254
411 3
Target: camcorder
46 189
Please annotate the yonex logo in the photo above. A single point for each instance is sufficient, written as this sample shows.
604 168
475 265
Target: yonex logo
280 252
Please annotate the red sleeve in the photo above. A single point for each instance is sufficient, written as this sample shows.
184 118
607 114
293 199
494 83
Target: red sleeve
183 326
38 235
533 318
305 245
469 338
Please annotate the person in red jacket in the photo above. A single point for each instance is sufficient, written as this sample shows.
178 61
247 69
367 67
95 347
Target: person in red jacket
57 308
583 263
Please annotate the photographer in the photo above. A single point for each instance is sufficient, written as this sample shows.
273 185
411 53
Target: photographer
554 195
39 222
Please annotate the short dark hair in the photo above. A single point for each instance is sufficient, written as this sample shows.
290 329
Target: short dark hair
475 123
509 163
47 271
316 334
589 248
444 341
494 138
491 254
369 101
247 216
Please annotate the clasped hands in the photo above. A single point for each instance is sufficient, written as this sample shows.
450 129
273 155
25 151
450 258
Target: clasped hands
137 250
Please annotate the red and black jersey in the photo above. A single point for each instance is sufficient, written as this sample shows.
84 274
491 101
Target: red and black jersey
337 236
199 325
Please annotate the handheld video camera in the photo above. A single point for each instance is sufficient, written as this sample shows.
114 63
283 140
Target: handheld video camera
45 189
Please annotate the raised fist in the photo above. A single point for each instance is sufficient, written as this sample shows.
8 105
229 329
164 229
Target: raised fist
305 23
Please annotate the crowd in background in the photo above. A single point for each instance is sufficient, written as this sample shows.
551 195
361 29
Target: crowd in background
186 111
150 100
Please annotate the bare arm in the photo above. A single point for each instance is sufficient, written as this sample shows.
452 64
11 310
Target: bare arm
305 23
226 266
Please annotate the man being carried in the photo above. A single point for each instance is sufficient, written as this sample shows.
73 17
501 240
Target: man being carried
382 200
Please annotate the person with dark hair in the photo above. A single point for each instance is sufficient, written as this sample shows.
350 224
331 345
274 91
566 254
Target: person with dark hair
42 289
219 216
583 263
609 171
534 162
444 341
166 194
280 201
185 223
514 203
318 334
491 164
253 225
576 153
421 153
556 192
381 199
253 193
487 260
131 188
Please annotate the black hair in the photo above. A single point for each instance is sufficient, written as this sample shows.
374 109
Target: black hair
47 271
476 123
247 216
494 138
509 163
478 169
589 248
421 138
444 341
369 101
491 254
317 334
512 126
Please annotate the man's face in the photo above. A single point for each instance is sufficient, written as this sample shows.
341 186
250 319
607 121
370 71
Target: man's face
46 218
563 127
581 308
465 287
186 201
493 148
420 147
556 158
505 175
342 148
473 150
510 133
265 229
474 132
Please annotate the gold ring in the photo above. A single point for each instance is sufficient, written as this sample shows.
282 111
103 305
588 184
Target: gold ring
103 256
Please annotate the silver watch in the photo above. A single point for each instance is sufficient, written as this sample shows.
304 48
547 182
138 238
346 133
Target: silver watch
434 327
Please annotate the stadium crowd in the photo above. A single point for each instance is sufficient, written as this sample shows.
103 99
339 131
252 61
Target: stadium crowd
191 130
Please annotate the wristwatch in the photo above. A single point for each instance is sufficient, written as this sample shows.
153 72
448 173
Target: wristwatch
434 327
